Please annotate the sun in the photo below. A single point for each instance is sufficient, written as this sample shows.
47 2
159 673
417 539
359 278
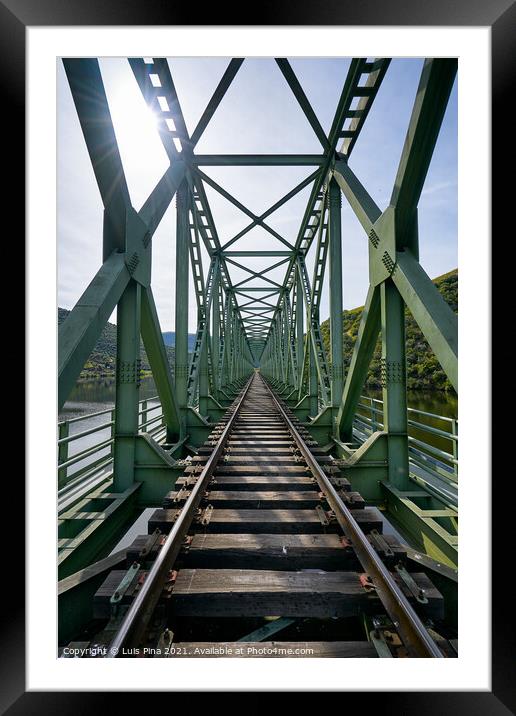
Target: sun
136 127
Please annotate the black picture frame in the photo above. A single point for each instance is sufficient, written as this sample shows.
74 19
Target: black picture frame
500 15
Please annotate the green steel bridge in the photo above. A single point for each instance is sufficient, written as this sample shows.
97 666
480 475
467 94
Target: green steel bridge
131 456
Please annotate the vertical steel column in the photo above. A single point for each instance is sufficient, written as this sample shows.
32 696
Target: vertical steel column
299 332
204 386
281 345
279 353
62 453
182 274
335 249
230 343
226 377
127 385
313 381
286 343
394 383
215 334
274 347
238 342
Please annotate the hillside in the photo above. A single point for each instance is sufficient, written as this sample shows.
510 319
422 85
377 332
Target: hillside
423 369
169 338
102 360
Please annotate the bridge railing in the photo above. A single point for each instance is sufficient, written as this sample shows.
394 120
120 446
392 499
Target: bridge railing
86 443
433 439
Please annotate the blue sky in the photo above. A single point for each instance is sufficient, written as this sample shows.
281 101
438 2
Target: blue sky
259 114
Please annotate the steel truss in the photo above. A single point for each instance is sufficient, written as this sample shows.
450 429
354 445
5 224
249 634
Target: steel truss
273 326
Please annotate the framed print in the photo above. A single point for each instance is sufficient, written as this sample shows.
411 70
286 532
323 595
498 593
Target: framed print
243 442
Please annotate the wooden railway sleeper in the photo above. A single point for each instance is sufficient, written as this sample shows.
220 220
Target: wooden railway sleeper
343 494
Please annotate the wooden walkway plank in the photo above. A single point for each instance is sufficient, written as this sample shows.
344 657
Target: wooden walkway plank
239 593
267 521
276 551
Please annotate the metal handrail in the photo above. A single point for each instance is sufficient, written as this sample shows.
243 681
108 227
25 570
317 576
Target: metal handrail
151 424
410 410
77 436
441 463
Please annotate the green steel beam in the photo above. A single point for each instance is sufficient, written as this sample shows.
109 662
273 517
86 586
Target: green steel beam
302 99
430 105
435 318
157 355
394 384
351 90
215 335
142 73
438 323
258 160
127 386
218 95
394 234
433 315
336 322
257 221
92 107
181 308
251 254
367 338
159 200
254 289
213 242
318 354
363 205
258 274
160 67
357 116
299 330
289 195
83 326
80 331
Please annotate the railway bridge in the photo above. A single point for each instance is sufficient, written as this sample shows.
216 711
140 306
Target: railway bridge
292 516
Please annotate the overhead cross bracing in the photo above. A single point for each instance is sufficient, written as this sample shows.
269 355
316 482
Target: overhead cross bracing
362 83
259 308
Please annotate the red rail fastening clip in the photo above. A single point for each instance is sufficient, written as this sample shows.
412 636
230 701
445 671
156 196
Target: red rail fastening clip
346 543
140 581
169 584
366 582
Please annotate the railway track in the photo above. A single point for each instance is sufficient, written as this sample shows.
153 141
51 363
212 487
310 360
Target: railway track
263 549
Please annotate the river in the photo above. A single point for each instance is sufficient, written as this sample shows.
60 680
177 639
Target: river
90 396
94 395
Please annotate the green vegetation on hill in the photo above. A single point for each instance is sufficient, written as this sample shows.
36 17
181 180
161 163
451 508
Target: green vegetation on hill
423 369
102 361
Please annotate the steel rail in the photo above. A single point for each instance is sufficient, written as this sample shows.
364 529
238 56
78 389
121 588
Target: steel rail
140 611
409 626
